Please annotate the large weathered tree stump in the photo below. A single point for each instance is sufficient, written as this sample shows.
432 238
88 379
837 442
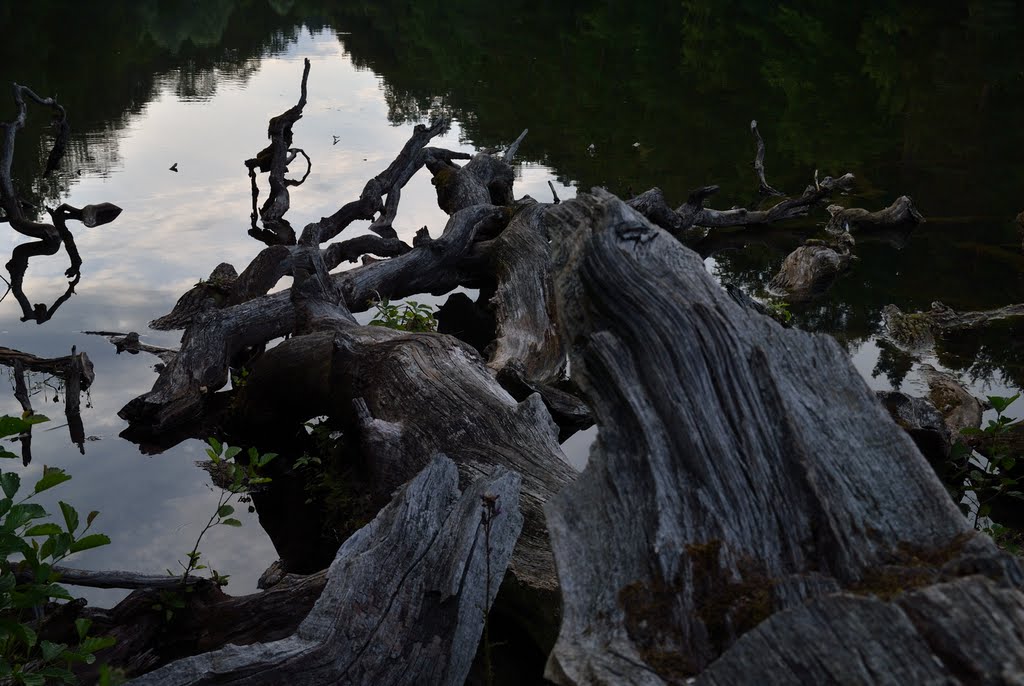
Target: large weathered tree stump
742 470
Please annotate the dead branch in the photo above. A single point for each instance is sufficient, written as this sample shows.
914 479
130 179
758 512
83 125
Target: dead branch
764 188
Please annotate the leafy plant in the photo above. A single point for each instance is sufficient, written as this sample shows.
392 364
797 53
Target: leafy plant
240 478
240 379
411 316
28 583
991 476
779 310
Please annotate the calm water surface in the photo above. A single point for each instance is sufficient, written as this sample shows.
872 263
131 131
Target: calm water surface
912 99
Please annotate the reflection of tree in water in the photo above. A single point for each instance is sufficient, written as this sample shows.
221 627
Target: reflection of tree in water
187 49
991 354
50 237
893 362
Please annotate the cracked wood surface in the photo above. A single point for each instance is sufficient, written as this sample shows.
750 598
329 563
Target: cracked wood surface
404 600
741 469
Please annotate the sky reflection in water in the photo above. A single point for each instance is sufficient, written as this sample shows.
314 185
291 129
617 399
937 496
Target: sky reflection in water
175 228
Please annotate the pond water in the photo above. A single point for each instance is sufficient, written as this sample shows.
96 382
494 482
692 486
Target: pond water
911 98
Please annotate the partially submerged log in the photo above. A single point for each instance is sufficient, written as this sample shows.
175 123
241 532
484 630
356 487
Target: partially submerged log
405 598
682 221
75 370
132 344
733 486
811 269
729 484
916 331
901 212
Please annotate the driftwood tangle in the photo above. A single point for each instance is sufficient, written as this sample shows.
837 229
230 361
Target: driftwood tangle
739 487
404 601
746 488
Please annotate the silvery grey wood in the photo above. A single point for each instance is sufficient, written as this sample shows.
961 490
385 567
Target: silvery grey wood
741 468
404 601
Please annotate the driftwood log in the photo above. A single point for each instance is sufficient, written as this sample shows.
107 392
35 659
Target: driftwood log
743 498
916 331
405 598
811 269
899 213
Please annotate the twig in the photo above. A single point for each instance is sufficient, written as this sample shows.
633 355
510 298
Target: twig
552 187
759 163
514 148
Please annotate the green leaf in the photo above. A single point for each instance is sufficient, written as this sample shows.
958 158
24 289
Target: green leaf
92 515
231 452
7 454
231 522
21 514
12 426
52 476
33 679
35 419
11 482
70 516
82 627
225 510
999 404
95 643
47 529
61 544
216 445
12 543
265 458
5 506
28 636
51 650
90 541
65 676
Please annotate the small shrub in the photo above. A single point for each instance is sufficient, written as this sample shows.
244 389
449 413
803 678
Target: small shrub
411 316
991 476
